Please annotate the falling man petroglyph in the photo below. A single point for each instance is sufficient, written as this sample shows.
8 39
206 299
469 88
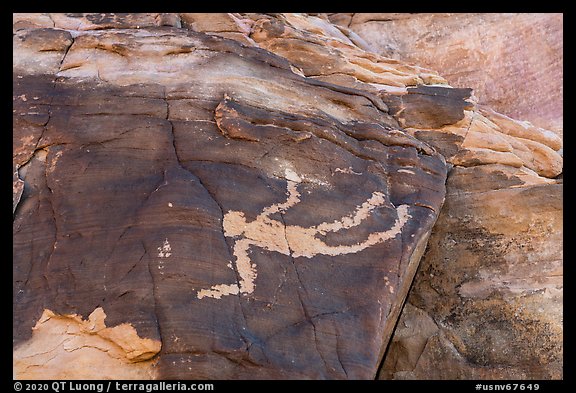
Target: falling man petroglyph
294 240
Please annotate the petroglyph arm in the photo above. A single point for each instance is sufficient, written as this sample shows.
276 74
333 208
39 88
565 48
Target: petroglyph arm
353 219
304 243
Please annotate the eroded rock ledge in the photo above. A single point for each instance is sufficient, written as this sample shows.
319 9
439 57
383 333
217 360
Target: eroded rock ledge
513 61
68 347
252 193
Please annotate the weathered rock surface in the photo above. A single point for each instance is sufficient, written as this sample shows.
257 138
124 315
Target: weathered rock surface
116 352
490 152
487 300
419 99
513 61
254 192
243 220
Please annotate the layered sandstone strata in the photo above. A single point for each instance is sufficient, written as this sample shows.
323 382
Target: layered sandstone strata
513 61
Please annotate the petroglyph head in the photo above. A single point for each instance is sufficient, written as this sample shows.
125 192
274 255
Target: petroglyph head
292 176
234 223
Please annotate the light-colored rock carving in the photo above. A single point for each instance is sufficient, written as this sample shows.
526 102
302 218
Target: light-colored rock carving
293 240
165 250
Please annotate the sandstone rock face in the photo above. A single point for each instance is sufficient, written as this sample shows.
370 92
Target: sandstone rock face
249 195
495 159
514 62
238 219
487 300
116 352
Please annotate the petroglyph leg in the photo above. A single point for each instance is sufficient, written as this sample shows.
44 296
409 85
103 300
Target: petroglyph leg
246 271
217 291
